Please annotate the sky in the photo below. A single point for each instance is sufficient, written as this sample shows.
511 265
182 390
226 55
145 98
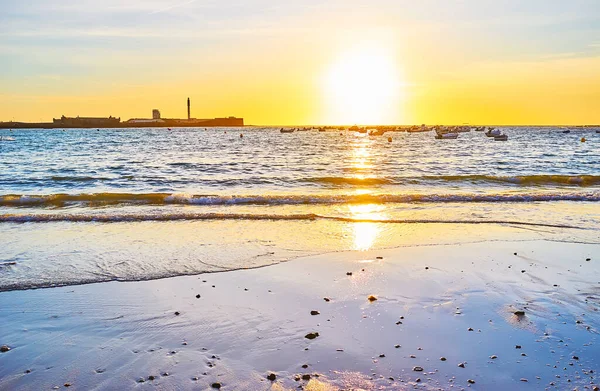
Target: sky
303 62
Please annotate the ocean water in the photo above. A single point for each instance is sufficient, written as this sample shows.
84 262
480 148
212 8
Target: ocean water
87 205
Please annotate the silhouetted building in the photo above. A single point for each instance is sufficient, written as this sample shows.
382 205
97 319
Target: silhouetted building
155 114
84 122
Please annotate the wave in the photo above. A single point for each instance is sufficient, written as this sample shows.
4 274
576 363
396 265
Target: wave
304 199
77 179
571 180
355 181
117 218
523 180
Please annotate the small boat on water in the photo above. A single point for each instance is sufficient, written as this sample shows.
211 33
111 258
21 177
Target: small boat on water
283 130
598 131
493 132
376 132
446 136
502 137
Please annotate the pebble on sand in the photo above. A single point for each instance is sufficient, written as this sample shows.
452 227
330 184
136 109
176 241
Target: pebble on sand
517 346
67 384
271 376
378 257
461 365
197 296
216 385
442 358
327 299
306 376
348 273
418 369
519 313
314 312
4 348
524 380
311 335
177 313
372 298
471 381
493 357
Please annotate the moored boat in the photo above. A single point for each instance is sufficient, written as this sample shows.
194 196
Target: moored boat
493 132
446 136
502 137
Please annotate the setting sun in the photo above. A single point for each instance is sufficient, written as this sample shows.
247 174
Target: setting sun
363 86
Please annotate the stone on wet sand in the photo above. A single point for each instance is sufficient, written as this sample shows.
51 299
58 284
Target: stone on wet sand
271 376
314 312
418 369
4 348
216 385
442 358
461 365
306 376
493 357
519 313
372 298
471 381
327 299
311 335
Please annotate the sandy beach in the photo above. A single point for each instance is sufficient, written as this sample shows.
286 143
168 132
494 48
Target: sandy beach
445 317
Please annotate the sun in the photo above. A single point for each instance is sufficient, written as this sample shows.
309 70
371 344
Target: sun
363 86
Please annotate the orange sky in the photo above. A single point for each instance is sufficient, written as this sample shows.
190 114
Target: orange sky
329 62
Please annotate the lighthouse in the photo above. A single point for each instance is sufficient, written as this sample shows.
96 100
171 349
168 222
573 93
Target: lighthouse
189 109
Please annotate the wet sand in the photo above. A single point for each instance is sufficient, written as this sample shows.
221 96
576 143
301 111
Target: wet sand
445 317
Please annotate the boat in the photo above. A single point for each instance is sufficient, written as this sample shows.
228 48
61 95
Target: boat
446 136
502 137
376 132
493 132
282 130
598 131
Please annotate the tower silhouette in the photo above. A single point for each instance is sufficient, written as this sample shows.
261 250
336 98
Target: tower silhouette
189 108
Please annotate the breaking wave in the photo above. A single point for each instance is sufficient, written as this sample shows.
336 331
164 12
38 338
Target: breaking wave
303 199
131 217
522 180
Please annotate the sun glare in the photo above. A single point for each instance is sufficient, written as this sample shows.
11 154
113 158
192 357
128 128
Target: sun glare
363 87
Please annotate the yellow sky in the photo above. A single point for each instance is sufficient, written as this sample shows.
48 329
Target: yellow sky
306 66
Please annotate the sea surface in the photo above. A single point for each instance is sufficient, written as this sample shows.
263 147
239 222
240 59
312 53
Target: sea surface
86 205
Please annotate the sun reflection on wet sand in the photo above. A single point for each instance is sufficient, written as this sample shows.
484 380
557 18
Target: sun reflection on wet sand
366 233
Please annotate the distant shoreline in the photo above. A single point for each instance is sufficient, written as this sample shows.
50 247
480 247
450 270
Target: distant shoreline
226 123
